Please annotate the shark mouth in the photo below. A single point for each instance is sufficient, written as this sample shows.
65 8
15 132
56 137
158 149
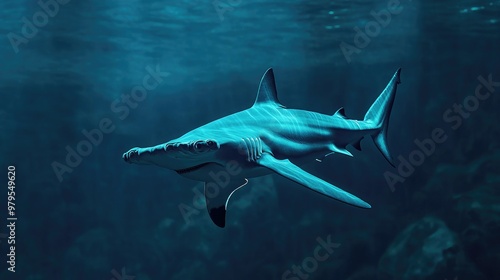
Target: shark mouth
191 169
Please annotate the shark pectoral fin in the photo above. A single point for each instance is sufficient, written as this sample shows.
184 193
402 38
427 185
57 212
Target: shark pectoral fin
217 197
289 170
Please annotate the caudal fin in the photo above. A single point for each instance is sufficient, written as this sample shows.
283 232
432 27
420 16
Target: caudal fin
379 114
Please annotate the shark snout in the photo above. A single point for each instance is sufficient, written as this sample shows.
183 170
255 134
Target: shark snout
131 155
143 155
173 154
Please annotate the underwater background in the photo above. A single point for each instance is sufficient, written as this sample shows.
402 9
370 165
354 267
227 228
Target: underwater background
67 67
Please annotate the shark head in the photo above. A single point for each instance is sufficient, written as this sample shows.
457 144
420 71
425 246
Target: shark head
180 155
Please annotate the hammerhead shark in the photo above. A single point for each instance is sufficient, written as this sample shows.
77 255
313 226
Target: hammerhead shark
269 138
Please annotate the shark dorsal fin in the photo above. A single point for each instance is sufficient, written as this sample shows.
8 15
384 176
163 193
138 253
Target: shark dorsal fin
340 113
267 93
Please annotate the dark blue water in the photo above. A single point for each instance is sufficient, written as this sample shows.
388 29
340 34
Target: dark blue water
68 70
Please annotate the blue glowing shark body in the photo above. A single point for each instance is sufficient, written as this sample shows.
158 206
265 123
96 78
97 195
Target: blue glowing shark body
268 138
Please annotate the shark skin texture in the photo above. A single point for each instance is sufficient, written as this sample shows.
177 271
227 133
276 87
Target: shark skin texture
268 138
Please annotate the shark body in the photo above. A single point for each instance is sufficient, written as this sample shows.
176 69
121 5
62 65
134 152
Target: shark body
268 138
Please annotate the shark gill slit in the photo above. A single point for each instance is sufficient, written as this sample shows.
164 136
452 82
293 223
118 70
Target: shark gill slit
253 148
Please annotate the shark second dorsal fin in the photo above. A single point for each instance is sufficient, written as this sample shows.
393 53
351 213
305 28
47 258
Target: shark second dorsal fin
267 93
340 113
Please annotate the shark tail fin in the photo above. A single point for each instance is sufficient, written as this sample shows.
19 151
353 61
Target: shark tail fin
379 114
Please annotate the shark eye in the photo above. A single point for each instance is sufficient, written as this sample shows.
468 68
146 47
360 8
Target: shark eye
199 146
212 144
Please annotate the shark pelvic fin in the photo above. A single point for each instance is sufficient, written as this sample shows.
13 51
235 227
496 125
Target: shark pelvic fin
217 198
334 149
338 150
290 171
267 93
357 145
